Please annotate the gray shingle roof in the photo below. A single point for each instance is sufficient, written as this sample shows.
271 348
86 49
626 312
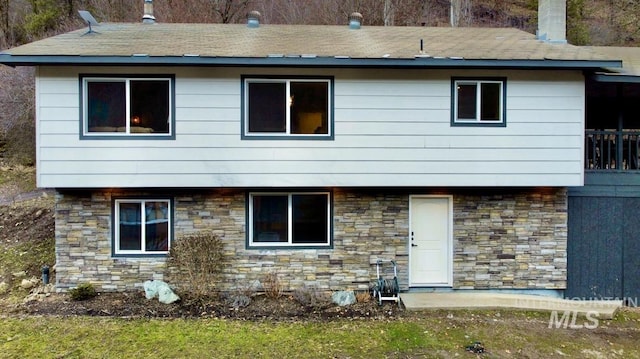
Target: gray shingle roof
235 41
630 57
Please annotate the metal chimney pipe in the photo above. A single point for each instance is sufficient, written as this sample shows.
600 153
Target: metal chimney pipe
355 20
253 19
148 17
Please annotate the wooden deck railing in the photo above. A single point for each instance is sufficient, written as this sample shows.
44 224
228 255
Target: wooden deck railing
612 150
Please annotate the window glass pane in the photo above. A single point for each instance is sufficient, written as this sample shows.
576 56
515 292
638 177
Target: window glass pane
467 101
266 107
157 226
309 107
130 226
106 106
310 218
270 222
490 101
149 106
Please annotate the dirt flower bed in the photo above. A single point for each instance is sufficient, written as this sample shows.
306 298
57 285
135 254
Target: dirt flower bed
134 304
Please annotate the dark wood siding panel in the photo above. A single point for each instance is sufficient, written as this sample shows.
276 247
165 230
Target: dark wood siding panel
631 250
594 247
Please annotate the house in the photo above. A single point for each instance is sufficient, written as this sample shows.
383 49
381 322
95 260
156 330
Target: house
314 151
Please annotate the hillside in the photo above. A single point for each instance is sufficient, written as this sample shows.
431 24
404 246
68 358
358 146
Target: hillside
26 230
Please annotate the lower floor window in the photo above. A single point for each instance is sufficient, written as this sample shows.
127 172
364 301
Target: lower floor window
142 226
289 219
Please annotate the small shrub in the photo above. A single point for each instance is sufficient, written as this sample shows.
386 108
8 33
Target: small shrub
198 260
83 291
272 286
363 296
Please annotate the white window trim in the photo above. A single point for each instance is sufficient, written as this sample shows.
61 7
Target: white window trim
116 226
478 84
287 82
289 221
127 82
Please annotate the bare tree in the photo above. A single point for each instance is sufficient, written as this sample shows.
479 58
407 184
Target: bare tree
203 11
195 11
460 13
388 13
289 12
420 12
4 24
17 125
626 20
230 10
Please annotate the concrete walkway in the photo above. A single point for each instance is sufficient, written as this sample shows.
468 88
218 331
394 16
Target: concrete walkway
606 309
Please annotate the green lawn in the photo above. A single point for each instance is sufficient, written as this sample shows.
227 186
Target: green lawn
443 334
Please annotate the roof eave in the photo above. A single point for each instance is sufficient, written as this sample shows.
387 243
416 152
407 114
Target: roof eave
615 78
338 61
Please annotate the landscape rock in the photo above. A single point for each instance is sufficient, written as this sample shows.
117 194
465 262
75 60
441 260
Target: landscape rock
19 274
343 298
29 283
160 289
4 287
40 293
48 289
239 301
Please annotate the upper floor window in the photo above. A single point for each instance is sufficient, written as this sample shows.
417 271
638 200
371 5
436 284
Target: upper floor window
478 101
284 107
289 219
124 106
142 226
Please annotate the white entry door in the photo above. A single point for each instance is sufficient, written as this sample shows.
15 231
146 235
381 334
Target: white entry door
431 241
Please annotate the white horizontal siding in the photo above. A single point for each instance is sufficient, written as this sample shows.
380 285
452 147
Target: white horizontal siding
392 128
508 143
375 102
159 153
208 114
295 180
59 100
445 129
229 101
277 166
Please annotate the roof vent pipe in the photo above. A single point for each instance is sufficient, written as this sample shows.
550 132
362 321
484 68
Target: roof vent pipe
355 20
148 17
253 19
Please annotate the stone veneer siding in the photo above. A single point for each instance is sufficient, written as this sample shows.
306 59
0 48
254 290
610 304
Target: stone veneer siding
515 239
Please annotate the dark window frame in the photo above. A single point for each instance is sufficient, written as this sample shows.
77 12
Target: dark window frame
477 121
83 125
115 216
246 135
250 244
